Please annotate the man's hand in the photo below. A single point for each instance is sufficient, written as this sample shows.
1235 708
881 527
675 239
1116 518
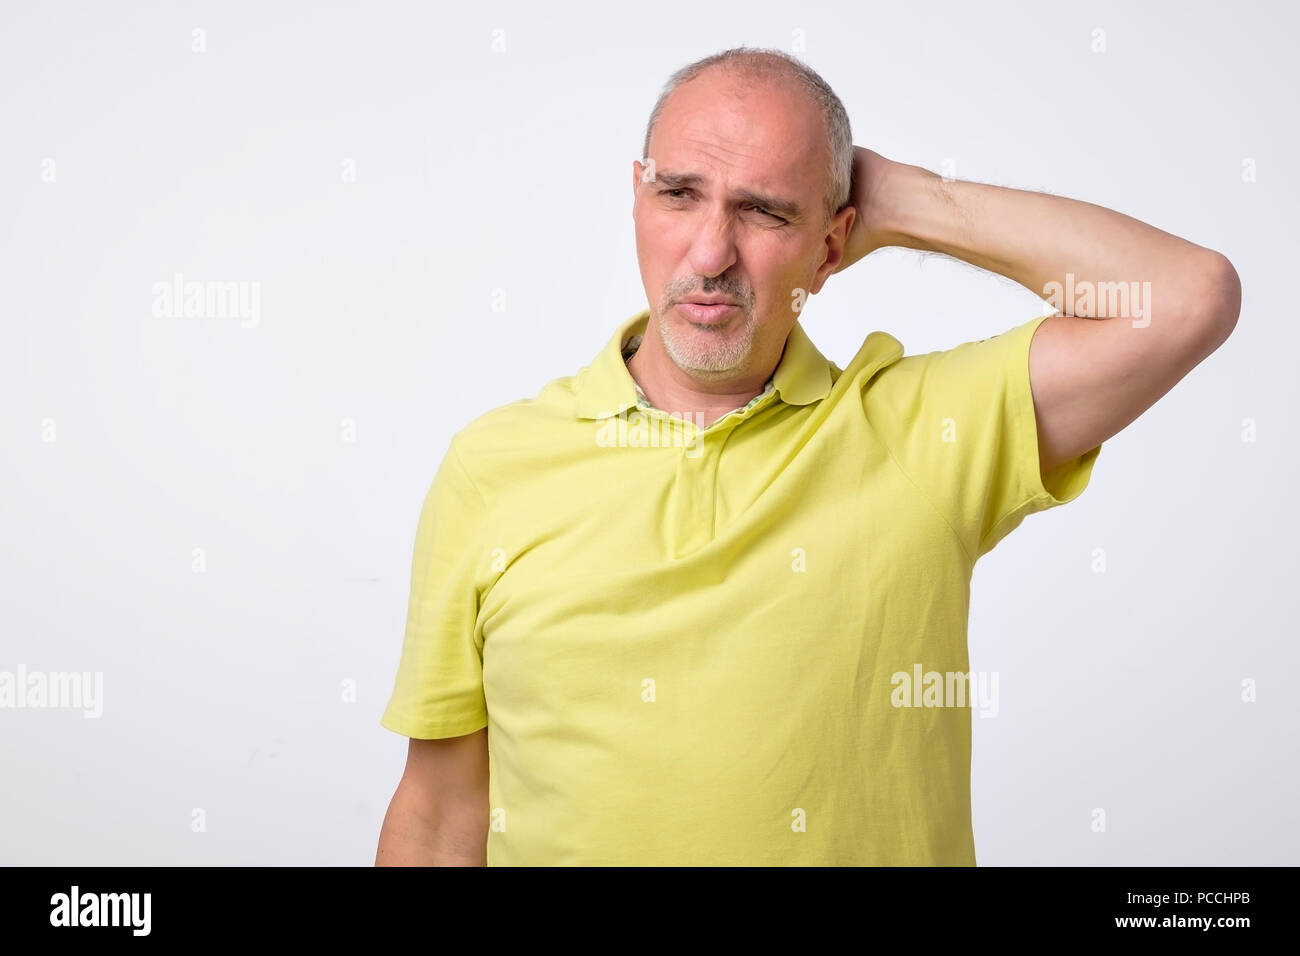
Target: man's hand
869 195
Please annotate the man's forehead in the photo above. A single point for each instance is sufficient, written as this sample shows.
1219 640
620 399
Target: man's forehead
758 147
705 144
744 118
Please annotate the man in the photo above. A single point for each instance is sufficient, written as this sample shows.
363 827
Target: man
670 610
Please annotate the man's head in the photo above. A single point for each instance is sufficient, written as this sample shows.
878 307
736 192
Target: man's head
743 196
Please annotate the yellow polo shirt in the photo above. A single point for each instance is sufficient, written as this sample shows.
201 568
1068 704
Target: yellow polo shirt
686 643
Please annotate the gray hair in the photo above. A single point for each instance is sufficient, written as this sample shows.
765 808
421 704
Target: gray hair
770 64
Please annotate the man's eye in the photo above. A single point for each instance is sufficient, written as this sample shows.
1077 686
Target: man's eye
680 194
766 213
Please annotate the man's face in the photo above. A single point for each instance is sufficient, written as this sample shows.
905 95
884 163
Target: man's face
735 210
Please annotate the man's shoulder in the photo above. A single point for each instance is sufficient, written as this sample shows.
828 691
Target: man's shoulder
507 433
879 353
965 374
985 354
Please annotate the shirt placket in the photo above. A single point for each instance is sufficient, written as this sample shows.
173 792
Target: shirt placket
694 498
694 492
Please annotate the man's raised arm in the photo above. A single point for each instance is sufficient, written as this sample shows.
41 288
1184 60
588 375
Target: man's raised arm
1141 307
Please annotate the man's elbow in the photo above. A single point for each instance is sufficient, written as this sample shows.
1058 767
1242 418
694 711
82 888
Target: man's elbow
1219 304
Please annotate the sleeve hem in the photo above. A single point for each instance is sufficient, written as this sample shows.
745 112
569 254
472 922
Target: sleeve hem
1063 484
451 726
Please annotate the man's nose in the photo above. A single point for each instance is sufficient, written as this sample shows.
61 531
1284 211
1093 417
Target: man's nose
713 249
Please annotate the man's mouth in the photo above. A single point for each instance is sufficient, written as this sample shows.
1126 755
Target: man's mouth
707 313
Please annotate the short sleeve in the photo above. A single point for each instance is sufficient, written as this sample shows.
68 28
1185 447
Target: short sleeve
961 423
439 687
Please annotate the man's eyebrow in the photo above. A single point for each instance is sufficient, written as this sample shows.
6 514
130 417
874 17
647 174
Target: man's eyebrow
785 208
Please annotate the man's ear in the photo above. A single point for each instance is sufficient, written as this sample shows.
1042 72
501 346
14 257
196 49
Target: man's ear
643 172
837 236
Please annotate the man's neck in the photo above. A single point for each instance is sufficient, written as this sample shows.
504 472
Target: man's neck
670 389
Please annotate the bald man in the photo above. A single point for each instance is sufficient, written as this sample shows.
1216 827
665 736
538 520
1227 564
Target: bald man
705 602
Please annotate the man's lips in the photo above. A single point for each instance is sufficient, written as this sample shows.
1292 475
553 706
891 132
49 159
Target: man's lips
707 313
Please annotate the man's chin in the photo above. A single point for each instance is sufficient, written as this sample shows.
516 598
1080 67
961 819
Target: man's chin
698 359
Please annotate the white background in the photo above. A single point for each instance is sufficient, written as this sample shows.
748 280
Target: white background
511 170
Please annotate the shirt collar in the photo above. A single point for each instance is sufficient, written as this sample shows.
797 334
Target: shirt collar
606 387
